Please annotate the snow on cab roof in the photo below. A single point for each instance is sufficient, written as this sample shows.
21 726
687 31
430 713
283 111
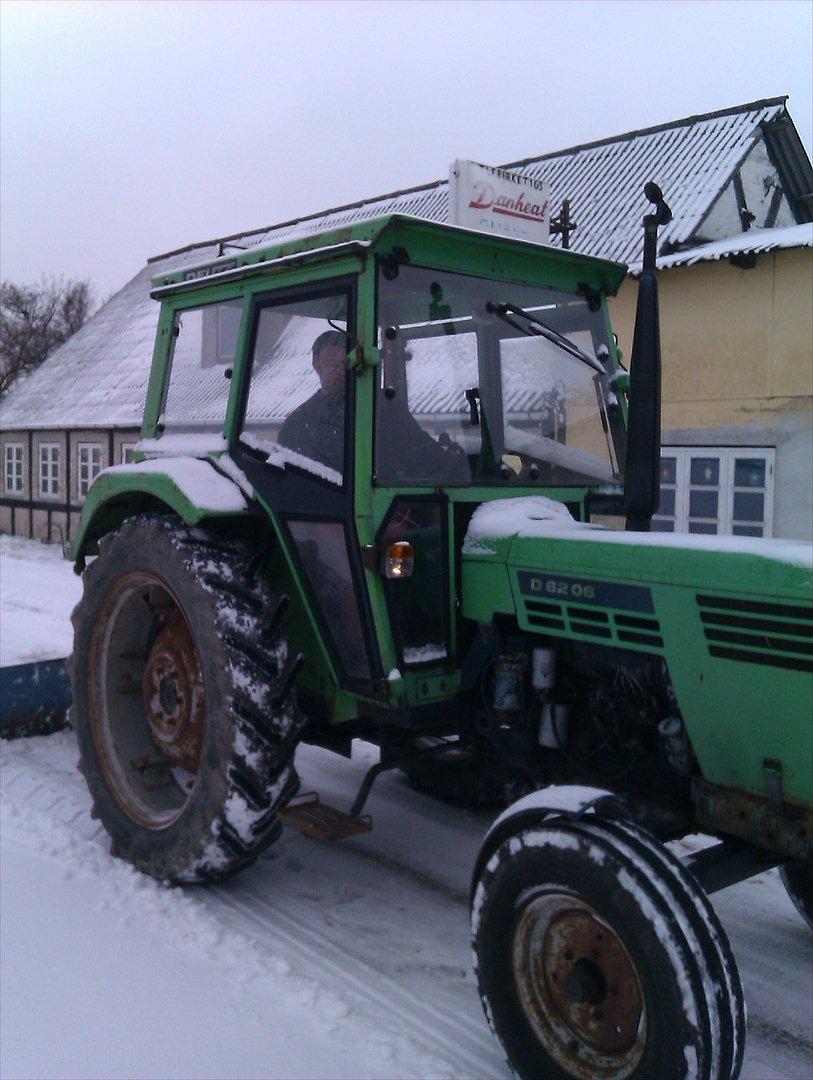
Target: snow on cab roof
99 377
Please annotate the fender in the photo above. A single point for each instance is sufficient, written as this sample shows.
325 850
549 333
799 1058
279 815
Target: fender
558 800
193 488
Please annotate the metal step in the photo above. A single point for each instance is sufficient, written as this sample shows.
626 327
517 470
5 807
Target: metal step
322 822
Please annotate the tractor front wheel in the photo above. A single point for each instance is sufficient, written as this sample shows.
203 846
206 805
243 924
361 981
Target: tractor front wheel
598 955
186 730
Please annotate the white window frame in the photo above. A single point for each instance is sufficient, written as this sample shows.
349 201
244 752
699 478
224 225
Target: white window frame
13 468
50 469
727 456
124 448
88 466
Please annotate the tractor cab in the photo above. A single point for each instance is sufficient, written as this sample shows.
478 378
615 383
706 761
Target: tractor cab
375 386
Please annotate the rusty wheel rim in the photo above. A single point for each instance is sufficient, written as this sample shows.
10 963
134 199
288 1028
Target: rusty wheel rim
147 700
578 987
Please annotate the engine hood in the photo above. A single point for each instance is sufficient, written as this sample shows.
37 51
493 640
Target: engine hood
537 533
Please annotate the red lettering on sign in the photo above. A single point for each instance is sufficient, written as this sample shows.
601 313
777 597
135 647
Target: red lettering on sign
483 196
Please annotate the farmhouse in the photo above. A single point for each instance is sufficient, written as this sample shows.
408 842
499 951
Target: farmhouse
736 289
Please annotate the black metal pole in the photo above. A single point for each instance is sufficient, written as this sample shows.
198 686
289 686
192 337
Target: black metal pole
642 488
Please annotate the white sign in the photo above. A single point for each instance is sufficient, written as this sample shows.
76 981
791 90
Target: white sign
495 200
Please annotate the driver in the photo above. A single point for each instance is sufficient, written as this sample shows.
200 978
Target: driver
315 428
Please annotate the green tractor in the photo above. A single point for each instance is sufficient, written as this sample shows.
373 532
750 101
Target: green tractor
394 484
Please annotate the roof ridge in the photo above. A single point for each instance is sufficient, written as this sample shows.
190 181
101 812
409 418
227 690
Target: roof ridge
747 107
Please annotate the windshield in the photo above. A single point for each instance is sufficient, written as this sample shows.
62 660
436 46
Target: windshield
484 382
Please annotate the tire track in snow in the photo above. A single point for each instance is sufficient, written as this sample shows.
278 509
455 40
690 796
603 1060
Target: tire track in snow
431 1026
462 1043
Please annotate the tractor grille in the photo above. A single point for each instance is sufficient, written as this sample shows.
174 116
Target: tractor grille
779 635
595 623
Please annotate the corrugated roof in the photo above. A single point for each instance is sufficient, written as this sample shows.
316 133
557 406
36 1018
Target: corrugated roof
752 242
603 180
99 377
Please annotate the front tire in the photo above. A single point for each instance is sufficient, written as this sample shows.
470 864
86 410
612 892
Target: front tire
598 955
185 742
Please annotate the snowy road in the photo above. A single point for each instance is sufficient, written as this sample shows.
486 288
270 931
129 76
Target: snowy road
323 960
348 960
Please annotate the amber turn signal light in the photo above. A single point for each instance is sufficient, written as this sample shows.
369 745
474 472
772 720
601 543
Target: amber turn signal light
399 560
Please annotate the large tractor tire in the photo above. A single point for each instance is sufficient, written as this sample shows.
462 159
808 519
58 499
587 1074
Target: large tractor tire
599 955
183 703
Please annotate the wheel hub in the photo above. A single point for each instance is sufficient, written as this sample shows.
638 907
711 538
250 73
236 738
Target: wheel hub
591 981
578 987
173 694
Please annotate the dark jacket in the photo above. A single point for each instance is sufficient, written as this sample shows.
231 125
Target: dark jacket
316 430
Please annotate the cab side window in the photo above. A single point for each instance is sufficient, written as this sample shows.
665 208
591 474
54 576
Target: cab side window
295 406
197 390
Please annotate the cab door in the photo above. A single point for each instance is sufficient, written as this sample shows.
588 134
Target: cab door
428 438
294 441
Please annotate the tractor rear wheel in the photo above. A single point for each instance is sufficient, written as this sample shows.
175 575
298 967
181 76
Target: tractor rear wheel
598 955
183 711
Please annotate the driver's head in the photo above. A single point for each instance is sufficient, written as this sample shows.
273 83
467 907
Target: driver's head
329 359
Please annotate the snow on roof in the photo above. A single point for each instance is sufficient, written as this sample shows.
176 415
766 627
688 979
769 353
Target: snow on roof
752 242
99 377
603 180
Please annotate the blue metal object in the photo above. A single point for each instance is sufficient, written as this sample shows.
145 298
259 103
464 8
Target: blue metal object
34 698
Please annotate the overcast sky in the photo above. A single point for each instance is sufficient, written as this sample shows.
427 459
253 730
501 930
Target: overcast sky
132 128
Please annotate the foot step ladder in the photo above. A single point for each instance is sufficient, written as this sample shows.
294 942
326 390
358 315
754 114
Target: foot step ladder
322 822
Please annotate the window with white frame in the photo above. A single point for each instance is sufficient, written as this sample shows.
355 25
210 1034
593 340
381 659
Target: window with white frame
13 471
716 490
89 465
49 468
127 452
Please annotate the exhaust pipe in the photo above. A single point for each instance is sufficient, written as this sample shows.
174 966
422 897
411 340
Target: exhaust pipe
642 482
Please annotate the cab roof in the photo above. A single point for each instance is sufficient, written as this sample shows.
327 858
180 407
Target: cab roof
411 239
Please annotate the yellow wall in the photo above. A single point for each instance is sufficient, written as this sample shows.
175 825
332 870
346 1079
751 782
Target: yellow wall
737 345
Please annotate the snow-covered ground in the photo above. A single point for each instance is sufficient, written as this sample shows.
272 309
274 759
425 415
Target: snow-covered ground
38 590
345 960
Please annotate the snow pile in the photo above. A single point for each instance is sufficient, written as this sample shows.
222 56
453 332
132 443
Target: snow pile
38 591
308 965
502 519
422 654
